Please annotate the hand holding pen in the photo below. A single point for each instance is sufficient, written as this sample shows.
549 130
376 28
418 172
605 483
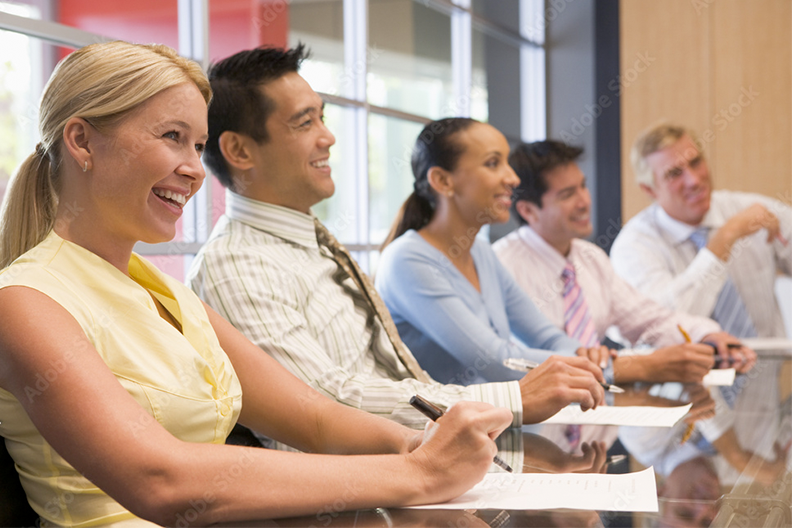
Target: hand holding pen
433 412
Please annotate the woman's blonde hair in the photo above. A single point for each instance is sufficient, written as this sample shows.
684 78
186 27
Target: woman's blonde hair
100 83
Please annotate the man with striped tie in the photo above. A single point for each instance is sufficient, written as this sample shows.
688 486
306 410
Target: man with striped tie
572 281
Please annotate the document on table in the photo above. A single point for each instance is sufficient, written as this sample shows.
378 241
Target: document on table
633 492
607 415
719 377
768 343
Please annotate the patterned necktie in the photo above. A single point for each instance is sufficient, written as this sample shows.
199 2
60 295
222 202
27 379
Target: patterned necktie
577 318
579 325
730 311
374 302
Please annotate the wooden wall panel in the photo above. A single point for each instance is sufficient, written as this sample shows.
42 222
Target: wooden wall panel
752 95
709 57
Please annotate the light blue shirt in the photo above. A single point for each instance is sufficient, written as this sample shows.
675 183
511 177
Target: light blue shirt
460 335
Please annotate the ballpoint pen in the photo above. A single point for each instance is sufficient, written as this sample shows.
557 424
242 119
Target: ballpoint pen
433 412
689 429
525 365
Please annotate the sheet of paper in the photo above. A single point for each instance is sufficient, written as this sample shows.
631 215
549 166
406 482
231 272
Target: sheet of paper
607 415
634 492
719 377
768 343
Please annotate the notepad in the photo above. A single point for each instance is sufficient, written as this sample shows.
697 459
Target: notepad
606 415
633 492
719 377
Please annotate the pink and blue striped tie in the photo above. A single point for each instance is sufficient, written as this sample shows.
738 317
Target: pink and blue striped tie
579 325
577 318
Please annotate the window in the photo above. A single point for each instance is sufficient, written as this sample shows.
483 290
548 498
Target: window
384 68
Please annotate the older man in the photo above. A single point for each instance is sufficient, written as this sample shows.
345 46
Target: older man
707 253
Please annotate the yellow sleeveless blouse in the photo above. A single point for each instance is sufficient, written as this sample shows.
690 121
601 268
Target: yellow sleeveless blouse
184 380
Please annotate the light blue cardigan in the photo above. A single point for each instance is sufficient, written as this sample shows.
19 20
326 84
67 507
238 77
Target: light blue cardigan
458 334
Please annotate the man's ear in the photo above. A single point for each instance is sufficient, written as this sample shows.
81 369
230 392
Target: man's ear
648 189
440 180
237 150
78 136
527 210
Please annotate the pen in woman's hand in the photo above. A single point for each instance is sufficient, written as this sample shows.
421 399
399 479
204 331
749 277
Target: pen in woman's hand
433 412
525 365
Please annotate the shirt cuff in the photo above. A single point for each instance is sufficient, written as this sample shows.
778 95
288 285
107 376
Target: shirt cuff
504 394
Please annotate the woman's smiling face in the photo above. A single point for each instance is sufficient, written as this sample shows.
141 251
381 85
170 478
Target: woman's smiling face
482 179
146 168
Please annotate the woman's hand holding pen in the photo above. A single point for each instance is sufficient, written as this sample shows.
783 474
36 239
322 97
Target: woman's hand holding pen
458 449
557 382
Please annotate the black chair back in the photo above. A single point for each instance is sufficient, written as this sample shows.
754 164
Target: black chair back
14 507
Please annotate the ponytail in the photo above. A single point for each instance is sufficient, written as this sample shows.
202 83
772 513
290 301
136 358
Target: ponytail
414 213
29 206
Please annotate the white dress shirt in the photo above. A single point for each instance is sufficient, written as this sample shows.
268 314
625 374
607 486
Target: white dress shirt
654 253
537 267
263 270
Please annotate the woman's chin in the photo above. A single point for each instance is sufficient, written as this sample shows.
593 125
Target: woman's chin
159 238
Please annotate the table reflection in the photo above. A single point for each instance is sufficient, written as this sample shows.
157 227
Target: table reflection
696 485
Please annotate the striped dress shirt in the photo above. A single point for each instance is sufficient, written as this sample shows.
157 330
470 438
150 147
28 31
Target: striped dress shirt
264 271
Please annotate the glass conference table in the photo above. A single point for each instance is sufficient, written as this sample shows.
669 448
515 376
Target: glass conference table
696 486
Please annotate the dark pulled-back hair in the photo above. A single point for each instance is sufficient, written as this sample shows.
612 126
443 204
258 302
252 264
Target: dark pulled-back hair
435 147
532 162
239 105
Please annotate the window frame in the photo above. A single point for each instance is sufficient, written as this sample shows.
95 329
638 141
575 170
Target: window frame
193 29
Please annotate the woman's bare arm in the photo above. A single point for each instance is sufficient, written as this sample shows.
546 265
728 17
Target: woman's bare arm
90 420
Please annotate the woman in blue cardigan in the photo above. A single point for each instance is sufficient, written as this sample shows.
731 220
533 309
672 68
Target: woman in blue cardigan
454 304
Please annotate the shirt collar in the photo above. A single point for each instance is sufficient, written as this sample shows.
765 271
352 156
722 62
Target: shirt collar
554 260
282 222
680 231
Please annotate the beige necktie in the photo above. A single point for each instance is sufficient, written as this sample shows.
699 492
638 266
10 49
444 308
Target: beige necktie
374 301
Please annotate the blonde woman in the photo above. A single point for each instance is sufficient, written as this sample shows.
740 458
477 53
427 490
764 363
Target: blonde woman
115 380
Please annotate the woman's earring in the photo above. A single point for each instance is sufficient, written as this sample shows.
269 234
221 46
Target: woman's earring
450 194
85 167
